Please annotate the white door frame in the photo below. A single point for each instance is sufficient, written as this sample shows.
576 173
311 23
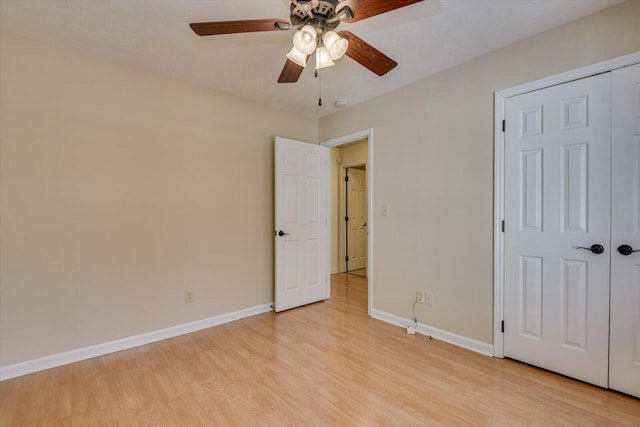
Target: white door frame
336 142
498 162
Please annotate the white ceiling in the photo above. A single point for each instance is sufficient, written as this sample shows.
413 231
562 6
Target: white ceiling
424 39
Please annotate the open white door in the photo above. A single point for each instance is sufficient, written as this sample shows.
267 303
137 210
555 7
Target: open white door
301 209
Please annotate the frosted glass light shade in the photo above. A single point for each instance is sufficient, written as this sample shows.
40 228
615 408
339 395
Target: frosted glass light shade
305 40
323 59
298 57
336 45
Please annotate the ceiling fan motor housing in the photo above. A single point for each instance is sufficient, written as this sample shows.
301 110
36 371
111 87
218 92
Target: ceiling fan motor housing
322 17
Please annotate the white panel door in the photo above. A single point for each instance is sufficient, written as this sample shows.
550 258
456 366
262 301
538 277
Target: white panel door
557 198
357 213
624 368
301 204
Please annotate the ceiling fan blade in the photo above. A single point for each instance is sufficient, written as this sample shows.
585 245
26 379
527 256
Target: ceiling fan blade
290 72
363 9
233 27
367 55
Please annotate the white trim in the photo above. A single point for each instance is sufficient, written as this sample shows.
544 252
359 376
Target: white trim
498 240
341 140
451 338
499 114
368 134
335 270
59 359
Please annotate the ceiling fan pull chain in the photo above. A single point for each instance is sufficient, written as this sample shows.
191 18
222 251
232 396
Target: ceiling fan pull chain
319 76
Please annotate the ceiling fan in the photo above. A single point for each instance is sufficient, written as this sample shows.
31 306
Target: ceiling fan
316 21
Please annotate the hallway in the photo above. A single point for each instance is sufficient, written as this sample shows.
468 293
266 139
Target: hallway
349 289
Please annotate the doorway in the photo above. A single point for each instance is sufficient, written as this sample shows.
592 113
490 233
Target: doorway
351 249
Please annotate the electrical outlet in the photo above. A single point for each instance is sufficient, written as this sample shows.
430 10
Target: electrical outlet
428 298
188 296
420 297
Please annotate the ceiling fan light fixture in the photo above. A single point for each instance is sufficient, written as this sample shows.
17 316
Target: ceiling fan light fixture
323 60
336 45
305 40
298 57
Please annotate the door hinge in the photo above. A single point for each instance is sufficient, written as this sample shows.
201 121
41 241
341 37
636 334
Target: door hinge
346 179
346 258
503 225
504 126
346 219
502 327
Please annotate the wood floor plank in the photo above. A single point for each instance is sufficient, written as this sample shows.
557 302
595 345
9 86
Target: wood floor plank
323 364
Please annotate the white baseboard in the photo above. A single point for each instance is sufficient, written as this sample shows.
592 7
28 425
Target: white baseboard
47 362
459 340
335 270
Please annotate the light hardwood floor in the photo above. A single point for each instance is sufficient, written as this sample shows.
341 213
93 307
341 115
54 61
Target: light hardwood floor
349 289
359 272
323 364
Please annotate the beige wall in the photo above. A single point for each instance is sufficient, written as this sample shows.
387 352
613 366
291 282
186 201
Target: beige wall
354 154
121 189
433 164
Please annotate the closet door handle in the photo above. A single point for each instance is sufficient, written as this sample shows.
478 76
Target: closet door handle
626 250
596 249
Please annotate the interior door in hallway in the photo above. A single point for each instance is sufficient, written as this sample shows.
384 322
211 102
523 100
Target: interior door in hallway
557 203
301 221
357 214
624 363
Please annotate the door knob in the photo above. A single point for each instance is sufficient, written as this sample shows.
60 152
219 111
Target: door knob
596 249
282 233
627 250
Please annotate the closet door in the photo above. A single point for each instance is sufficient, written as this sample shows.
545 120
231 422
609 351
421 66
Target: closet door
624 362
557 200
